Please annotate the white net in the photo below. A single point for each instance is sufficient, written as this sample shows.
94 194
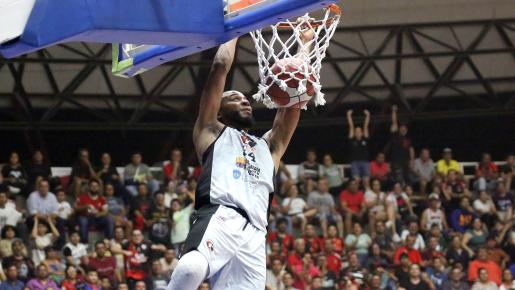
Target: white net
290 62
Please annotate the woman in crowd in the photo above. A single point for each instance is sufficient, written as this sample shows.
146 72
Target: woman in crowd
475 237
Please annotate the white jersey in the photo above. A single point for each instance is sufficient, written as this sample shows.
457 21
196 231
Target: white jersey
238 171
434 218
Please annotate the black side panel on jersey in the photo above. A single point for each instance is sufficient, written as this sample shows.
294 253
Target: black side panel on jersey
202 195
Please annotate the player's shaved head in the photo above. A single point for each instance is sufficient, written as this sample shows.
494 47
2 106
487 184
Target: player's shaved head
231 93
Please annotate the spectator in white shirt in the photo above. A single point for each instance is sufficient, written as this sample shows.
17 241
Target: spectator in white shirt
296 209
42 202
74 250
169 261
8 214
274 275
375 200
64 209
482 282
309 169
507 280
485 208
413 230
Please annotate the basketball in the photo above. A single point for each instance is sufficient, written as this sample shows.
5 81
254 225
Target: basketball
292 71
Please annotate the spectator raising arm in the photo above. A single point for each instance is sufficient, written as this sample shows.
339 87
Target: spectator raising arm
351 124
394 127
366 133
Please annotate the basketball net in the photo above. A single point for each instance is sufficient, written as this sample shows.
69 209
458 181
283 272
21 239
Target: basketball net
284 40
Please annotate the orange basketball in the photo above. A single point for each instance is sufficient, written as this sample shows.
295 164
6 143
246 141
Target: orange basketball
290 70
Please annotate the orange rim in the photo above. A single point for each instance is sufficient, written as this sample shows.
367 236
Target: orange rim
316 23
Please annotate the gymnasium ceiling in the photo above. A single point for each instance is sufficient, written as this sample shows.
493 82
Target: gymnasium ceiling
433 58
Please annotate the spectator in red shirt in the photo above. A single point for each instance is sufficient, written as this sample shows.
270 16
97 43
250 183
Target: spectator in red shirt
295 258
482 261
105 266
174 169
486 174
313 242
352 203
413 255
281 236
334 261
92 211
71 281
379 169
140 207
137 253
305 272
332 236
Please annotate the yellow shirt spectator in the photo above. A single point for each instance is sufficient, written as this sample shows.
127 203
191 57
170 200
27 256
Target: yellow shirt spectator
442 167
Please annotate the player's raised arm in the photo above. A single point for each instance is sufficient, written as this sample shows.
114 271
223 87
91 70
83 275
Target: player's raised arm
207 127
285 122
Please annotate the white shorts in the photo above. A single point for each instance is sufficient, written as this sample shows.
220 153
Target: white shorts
233 247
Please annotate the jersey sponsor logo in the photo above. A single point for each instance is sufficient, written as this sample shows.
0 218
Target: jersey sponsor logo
241 161
236 174
253 171
209 245
247 140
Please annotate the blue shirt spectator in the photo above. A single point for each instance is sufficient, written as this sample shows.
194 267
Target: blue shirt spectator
42 202
462 218
12 282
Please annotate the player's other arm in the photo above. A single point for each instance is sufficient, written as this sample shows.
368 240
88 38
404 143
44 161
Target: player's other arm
278 138
207 127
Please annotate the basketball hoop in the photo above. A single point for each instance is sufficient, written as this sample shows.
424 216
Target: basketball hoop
284 41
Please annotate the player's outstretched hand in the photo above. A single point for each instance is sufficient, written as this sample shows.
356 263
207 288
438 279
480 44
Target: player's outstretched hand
307 32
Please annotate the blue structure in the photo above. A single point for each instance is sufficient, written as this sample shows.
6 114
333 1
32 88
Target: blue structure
176 27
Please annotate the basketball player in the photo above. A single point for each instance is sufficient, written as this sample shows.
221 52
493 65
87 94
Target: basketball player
226 243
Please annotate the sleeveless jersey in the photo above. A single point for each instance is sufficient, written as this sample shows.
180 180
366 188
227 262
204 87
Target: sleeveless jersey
434 217
238 171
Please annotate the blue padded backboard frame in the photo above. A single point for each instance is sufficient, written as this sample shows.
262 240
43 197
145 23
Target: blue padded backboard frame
177 27
107 21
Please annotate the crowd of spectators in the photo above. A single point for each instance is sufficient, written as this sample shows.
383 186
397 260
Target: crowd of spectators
94 229
397 222
401 220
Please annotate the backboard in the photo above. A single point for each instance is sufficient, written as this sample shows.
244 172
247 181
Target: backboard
240 16
173 28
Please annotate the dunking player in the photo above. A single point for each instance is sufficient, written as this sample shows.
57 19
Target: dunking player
226 243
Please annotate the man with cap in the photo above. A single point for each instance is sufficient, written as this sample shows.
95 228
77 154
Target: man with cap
444 165
433 215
